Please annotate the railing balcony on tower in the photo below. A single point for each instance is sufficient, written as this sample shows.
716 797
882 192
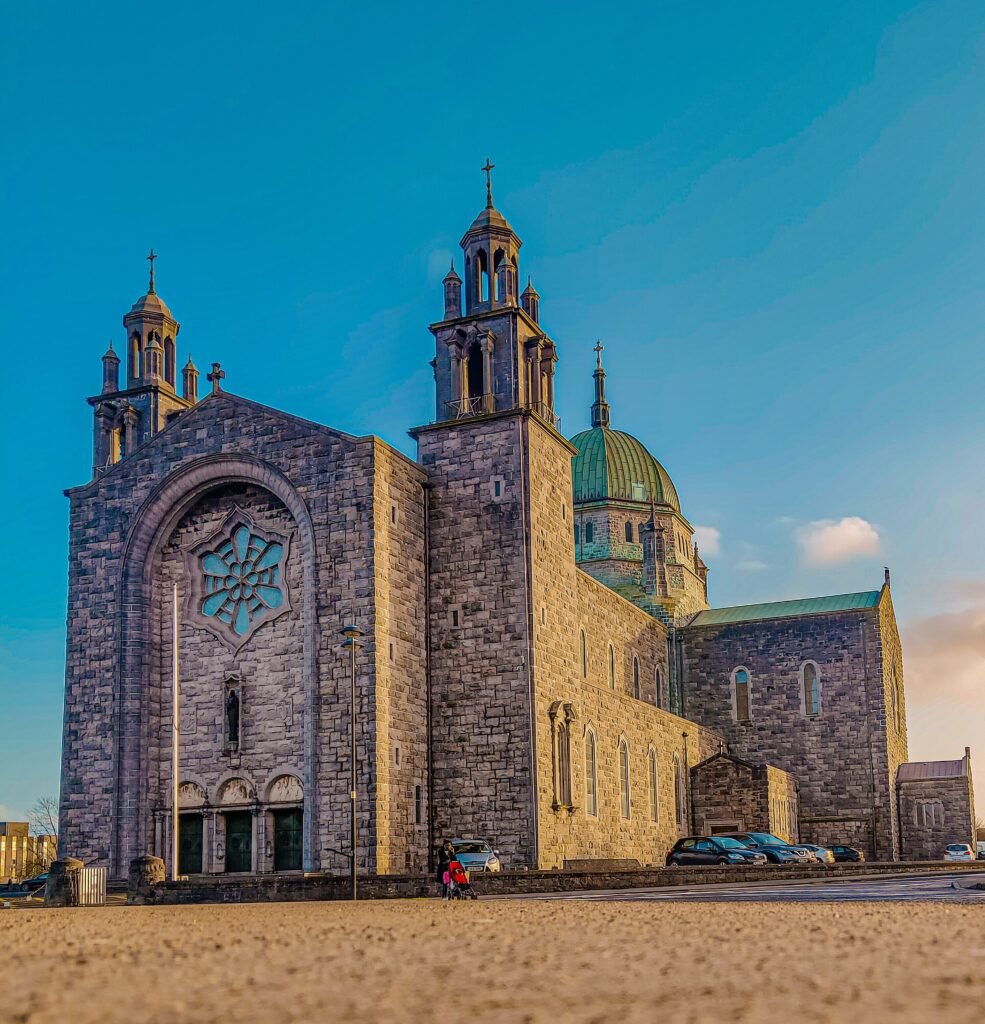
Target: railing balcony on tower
471 406
545 412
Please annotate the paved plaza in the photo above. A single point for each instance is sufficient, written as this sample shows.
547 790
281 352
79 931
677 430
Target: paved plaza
495 962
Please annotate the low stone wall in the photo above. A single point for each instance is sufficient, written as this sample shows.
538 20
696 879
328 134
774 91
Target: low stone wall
292 888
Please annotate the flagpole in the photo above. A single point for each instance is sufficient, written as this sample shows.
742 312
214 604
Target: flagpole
174 734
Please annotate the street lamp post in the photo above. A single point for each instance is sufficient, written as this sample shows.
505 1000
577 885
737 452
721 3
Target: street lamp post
352 634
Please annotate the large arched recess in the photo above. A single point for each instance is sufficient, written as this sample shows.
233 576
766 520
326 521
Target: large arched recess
152 526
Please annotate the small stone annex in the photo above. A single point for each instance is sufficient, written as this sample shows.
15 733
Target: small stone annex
540 663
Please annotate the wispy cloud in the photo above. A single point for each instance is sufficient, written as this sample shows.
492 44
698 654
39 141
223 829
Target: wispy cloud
708 539
751 565
830 541
945 655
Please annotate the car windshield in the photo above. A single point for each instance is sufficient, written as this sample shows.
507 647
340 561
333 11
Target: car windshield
767 839
957 848
729 844
471 846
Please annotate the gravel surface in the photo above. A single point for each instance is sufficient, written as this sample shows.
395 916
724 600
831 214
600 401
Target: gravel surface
504 961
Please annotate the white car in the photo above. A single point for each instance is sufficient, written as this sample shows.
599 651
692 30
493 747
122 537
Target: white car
958 851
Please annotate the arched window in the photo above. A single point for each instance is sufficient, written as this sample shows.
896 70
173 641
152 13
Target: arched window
740 694
651 765
629 532
481 276
624 801
474 366
658 687
561 716
169 361
136 369
583 653
680 794
636 677
612 667
591 776
589 532
810 683
577 533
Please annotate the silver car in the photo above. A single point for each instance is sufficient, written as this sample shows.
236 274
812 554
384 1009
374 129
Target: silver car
821 853
477 855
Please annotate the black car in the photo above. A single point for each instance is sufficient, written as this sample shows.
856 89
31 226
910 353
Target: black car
775 849
711 850
847 853
34 884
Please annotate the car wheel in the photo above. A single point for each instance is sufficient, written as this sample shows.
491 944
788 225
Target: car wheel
722 860
673 864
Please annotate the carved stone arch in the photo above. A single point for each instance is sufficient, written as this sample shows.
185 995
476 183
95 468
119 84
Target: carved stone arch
234 790
151 528
192 793
279 790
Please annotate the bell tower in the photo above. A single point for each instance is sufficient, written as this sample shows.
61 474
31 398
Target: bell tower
492 356
126 418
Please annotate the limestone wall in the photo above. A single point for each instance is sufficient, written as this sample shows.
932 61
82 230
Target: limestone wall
400 663
565 602
479 619
933 813
317 484
733 795
839 756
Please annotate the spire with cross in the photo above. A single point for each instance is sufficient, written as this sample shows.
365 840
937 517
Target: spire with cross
600 407
151 256
488 168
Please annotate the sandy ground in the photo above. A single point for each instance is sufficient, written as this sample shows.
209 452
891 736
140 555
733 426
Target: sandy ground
523 961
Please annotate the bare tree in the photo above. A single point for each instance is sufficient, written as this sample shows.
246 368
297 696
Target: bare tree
43 816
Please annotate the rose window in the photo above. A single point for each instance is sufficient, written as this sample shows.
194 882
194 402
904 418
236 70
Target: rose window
243 580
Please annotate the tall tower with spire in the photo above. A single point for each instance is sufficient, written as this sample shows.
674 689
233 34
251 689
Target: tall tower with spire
492 355
127 417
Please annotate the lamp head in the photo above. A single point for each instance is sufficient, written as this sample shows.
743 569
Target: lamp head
351 631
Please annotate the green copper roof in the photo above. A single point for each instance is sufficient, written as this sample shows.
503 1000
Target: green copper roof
784 609
610 462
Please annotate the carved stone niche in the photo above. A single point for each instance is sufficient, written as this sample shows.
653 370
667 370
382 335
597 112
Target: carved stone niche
238 579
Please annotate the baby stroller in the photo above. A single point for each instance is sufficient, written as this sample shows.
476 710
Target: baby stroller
459 887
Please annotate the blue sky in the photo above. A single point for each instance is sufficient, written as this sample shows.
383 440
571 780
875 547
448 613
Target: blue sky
771 214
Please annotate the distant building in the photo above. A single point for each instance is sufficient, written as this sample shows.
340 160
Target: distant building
541 665
936 806
21 854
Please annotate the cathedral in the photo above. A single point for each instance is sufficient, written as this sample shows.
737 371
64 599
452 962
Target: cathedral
535 660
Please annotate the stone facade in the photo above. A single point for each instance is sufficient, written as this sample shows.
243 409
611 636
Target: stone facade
516 680
732 795
844 757
936 807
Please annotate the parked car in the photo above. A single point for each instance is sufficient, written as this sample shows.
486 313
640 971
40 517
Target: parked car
477 855
774 848
821 853
847 854
981 849
35 883
958 851
712 850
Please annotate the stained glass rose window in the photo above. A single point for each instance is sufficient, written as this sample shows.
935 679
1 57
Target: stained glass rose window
239 579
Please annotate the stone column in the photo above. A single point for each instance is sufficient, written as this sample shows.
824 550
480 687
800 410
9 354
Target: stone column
64 883
488 398
145 873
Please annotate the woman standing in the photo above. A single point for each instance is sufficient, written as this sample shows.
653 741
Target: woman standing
445 854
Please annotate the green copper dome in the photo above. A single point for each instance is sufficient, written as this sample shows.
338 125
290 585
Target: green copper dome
614 466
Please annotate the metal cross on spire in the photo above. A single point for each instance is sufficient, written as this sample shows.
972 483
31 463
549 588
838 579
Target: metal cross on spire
598 353
151 256
488 168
